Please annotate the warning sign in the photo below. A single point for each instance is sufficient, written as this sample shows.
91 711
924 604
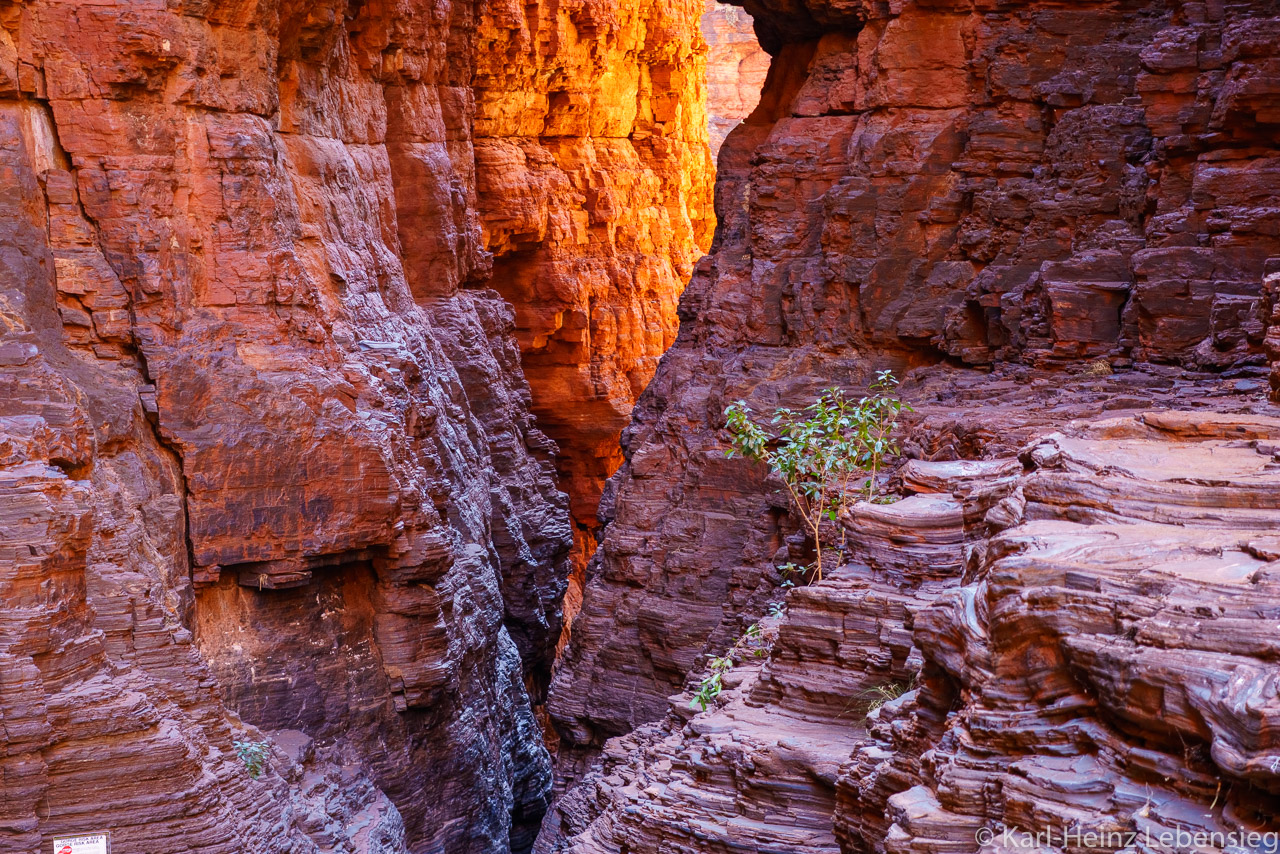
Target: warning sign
93 843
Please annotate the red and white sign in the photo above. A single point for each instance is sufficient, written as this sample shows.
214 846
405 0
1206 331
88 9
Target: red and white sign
93 843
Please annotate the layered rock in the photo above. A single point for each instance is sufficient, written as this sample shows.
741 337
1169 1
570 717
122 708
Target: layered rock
595 202
111 717
1027 183
736 69
1073 640
270 465
1106 651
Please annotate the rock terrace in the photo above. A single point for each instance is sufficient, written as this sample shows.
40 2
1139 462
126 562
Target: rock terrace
1078 636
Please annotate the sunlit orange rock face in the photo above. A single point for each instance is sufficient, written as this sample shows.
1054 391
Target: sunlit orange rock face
267 453
595 201
736 68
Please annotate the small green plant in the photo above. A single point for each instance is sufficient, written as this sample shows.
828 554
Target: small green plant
821 452
777 609
753 642
789 572
711 686
254 756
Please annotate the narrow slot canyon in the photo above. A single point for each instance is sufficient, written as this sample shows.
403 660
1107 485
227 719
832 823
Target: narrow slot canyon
367 364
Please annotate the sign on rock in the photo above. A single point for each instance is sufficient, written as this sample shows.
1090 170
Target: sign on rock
94 843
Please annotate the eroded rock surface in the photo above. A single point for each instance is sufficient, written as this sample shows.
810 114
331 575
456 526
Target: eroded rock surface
1077 638
595 201
268 455
736 68
1030 183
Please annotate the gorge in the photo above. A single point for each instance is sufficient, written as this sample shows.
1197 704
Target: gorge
364 368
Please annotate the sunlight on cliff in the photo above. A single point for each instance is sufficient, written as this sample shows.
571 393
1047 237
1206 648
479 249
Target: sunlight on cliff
736 68
735 71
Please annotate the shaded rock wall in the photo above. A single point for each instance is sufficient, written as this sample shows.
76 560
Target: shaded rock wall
270 466
111 717
986 183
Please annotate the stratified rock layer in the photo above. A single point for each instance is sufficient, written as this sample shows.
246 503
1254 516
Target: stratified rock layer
1077 639
266 448
1031 183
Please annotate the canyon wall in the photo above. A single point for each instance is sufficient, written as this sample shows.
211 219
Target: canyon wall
1019 182
594 184
1065 646
736 68
270 468
1008 191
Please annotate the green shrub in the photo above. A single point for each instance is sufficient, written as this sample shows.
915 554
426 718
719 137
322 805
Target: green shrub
753 642
254 756
823 451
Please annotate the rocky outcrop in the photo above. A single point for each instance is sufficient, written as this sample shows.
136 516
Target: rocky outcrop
1070 640
270 469
1030 184
736 69
595 202
111 717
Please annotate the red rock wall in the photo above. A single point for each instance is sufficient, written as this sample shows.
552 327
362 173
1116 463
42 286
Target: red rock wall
981 183
736 68
595 202
269 454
